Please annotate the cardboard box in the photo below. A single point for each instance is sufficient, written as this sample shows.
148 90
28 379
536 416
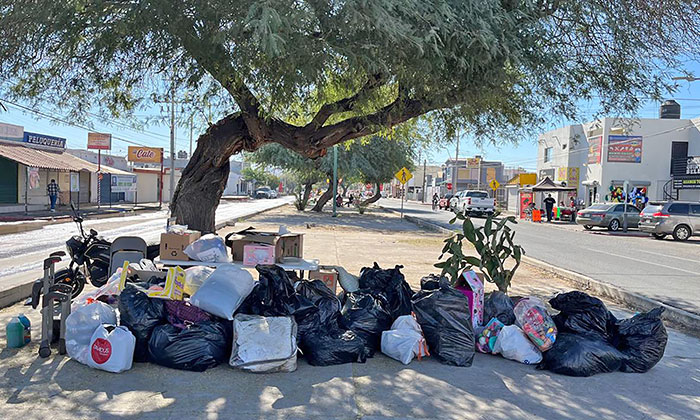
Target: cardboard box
327 275
172 246
286 245
472 287
254 254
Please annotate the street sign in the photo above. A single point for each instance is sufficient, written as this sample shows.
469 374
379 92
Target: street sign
494 184
449 186
404 175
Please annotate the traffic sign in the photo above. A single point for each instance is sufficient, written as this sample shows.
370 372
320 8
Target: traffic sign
449 186
494 184
404 175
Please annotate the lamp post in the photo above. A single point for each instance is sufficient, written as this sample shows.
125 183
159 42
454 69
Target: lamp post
335 180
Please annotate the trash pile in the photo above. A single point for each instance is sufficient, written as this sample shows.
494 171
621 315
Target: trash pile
198 318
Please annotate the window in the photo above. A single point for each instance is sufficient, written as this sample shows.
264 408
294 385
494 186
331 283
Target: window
547 154
652 208
605 207
619 208
632 209
695 209
678 208
477 194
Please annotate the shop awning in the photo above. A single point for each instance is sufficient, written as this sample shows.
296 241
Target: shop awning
548 185
55 161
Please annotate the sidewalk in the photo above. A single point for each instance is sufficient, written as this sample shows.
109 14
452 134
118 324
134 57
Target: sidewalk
493 388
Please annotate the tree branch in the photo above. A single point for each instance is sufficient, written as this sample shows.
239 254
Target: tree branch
346 104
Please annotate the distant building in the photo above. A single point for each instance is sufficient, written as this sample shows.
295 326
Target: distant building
473 173
235 184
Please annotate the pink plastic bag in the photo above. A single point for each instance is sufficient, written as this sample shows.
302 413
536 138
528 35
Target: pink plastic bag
532 317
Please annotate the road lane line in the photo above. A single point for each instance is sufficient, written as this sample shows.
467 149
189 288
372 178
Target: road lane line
669 256
694 273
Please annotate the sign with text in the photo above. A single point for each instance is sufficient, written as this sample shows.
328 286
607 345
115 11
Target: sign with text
569 175
123 183
625 149
595 145
44 140
11 132
99 141
693 165
145 154
74 182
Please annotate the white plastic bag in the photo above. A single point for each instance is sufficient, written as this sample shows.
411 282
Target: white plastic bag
208 248
81 324
513 344
224 291
264 344
113 287
195 277
111 349
404 340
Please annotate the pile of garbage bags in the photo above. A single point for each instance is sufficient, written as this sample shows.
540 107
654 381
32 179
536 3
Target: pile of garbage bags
264 325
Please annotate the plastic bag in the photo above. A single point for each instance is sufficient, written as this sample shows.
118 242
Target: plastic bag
111 349
431 282
322 297
274 295
209 248
106 292
405 340
196 348
581 355
642 339
391 284
264 344
498 305
513 344
81 324
366 315
532 317
195 277
333 347
582 314
486 338
140 314
181 313
224 291
444 316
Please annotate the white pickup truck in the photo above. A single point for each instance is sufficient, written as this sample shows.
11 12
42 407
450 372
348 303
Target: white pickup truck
473 202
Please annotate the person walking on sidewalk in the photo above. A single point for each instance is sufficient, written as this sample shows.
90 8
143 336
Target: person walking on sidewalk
52 190
549 206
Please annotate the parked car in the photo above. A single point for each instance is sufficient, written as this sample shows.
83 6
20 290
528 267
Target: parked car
609 215
444 203
472 202
265 192
678 218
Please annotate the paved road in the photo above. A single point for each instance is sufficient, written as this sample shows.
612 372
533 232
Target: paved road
21 253
665 270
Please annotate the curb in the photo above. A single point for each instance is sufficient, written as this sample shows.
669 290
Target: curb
683 320
20 292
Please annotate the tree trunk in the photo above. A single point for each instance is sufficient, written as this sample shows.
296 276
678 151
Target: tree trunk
303 197
373 199
345 187
323 199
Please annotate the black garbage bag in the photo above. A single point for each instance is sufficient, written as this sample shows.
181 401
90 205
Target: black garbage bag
642 339
274 295
498 305
391 284
430 282
443 314
197 347
583 314
366 315
333 347
581 355
322 297
140 314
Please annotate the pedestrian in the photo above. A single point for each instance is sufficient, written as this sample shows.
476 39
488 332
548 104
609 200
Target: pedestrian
339 201
351 198
574 209
549 206
436 201
52 190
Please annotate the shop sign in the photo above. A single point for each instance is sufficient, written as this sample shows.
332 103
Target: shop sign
44 140
526 198
74 182
472 162
686 184
145 154
123 183
99 141
11 132
625 149
569 175
546 173
595 145
693 165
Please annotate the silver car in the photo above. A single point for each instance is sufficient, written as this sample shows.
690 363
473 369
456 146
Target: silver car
610 216
678 218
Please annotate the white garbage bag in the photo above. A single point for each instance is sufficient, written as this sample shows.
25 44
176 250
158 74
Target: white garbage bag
208 248
111 349
195 277
513 344
404 340
264 344
81 324
224 291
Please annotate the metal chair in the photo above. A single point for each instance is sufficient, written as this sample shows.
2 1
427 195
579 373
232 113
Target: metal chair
126 248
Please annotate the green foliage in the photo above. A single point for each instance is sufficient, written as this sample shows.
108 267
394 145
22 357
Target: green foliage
494 244
260 177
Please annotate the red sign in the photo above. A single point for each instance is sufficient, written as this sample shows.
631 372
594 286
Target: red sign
595 146
449 185
101 351
525 201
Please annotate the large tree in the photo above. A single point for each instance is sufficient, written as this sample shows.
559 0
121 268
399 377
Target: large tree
379 159
308 74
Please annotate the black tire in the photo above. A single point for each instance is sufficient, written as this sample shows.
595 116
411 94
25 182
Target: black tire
587 227
76 280
44 352
681 233
658 235
614 225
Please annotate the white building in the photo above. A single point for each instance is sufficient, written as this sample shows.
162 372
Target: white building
647 154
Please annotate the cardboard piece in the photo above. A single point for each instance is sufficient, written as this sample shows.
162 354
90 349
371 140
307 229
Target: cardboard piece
473 288
285 245
329 276
172 245
254 254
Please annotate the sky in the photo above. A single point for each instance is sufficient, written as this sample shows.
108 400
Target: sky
522 153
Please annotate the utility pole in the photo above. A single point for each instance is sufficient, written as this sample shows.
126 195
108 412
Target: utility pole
172 140
191 128
454 167
425 162
335 180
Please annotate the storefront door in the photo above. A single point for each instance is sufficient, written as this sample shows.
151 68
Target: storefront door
8 181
